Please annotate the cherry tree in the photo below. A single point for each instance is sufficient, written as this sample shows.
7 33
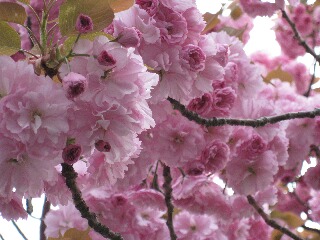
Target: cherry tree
147 120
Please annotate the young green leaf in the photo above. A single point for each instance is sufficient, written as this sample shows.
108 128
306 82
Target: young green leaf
120 5
99 11
12 12
9 39
24 1
69 42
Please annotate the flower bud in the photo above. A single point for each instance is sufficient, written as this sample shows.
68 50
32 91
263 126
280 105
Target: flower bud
71 153
84 24
105 59
74 84
102 146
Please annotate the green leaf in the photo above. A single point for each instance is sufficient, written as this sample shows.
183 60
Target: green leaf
120 5
234 31
69 42
279 74
12 12
74 234
99 11
24 1
9 39
276 235
212 20
290 218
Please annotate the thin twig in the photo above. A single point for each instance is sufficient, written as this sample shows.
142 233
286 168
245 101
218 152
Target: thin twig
304 204
70 176
271 222
168 195
19 230
154 184
255 123
35 14
311 229
307 93
1 237
30 53
45 210
298 37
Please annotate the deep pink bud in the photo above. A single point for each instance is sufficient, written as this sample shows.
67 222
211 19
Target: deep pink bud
71 153
105 59
102 146
74 84
84 24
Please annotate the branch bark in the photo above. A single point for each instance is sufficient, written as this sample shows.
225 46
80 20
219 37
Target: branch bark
45 210
299 38
255 123
271 222
70 176
168 196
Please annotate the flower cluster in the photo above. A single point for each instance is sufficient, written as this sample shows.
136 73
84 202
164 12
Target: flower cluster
100 103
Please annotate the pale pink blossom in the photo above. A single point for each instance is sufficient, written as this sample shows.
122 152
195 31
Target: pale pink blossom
200 195
178 141
12 209
192 227
252 165
258 8
215 156
129 37
61 220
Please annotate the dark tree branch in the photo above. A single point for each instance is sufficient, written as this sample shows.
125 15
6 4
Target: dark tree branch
255 123
1 237
168 195
29 206
271 222
19 230
298 37
45 210
311 229
70 176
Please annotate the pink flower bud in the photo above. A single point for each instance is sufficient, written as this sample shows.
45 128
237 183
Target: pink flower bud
71 153
102 146
105 59
84 24
129 37
74 84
